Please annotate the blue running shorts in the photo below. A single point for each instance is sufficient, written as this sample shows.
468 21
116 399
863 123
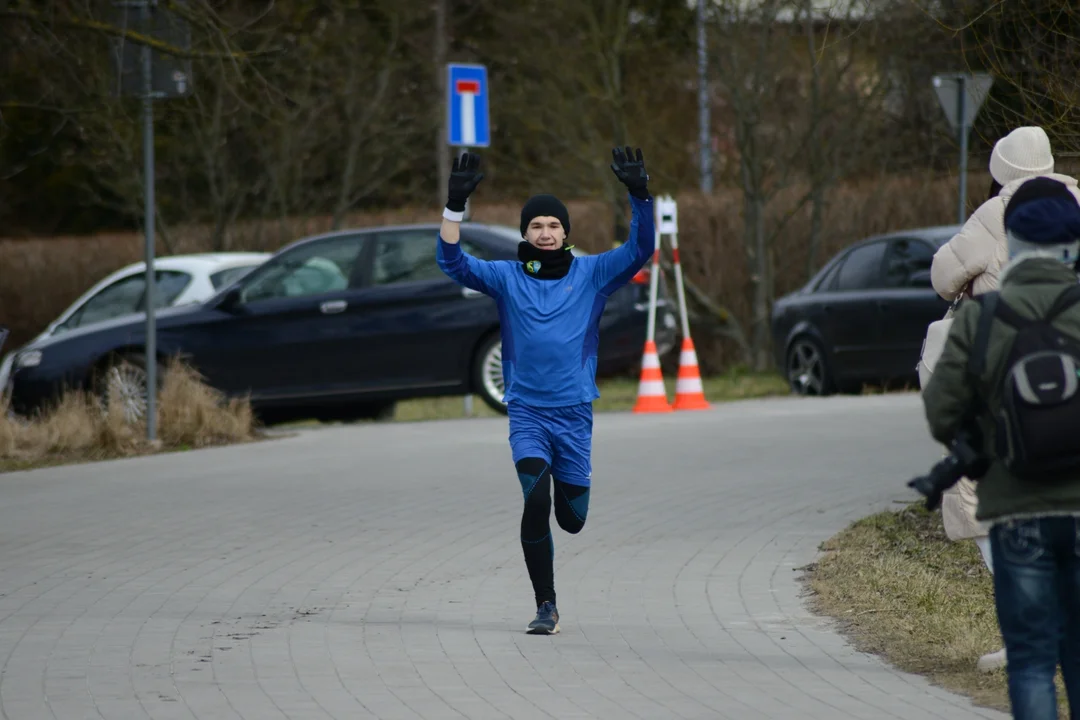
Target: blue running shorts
560 435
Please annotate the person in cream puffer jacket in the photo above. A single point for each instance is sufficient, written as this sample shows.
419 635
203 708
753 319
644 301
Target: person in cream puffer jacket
971 261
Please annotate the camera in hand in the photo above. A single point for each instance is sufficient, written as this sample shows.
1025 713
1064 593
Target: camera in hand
963 460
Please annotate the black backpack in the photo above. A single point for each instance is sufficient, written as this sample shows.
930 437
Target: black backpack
1037 433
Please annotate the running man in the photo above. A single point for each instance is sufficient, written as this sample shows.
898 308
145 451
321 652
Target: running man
550 304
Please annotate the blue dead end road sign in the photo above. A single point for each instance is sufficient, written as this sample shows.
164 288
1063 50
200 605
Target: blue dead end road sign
467 106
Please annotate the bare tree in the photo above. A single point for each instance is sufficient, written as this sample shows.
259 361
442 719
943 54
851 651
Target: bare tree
576 87
843 104
372 149
755 56
216 151
73 87
1031 49
797 102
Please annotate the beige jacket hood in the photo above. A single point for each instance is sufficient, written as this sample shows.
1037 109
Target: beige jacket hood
977 253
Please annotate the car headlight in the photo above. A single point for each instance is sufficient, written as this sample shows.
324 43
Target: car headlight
30 358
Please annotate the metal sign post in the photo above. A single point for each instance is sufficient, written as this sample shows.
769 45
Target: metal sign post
148 225
704 122
468 123
174 80
961 96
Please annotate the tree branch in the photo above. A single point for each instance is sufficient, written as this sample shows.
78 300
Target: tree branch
134 37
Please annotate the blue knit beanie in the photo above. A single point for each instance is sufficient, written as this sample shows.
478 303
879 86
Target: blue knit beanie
1043 212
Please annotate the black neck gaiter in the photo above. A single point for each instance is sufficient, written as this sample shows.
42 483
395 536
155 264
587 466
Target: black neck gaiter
545 264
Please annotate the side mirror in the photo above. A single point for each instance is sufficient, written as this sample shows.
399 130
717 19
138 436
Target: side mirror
921 279
231 302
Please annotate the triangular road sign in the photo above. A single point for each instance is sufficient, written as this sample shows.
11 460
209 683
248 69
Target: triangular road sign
976 88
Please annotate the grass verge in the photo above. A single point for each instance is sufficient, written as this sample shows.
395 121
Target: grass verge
617 394
78 429
900 589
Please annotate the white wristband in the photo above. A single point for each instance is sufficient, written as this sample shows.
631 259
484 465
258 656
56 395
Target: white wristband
452 215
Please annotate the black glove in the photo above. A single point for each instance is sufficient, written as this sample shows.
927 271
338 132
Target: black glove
631 172
464 177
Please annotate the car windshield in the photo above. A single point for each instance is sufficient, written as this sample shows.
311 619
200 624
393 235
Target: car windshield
230 275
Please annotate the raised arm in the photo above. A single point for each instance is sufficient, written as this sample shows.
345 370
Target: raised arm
615 268
480 275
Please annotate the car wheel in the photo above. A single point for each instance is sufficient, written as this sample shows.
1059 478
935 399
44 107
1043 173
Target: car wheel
807 369
488 373
122 383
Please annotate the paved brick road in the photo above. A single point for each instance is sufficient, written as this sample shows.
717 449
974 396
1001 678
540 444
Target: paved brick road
375 572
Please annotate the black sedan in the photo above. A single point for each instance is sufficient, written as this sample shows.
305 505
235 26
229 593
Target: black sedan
863 317
335 326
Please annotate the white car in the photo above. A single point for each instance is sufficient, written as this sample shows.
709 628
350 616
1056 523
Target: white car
180 280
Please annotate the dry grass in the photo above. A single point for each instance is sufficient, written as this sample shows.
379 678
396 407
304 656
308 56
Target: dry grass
78 428
193 414
900 589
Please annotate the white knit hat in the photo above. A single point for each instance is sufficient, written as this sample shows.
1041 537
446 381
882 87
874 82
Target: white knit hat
1022 153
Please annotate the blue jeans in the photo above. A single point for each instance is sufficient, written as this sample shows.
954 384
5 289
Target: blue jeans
1037 592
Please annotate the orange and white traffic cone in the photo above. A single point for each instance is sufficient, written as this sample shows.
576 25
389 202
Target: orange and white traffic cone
689 392
652 395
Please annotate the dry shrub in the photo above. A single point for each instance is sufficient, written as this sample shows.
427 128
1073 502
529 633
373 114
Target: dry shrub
194 414
710 238
75 426
190 414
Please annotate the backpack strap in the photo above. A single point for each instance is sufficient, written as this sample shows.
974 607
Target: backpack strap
991 304
1010 316
1064 301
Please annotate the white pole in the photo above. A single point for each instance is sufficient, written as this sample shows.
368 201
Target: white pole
654 283
679 284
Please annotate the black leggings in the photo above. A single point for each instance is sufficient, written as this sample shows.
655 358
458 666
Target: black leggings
571 509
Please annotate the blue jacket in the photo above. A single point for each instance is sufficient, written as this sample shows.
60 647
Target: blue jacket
551 328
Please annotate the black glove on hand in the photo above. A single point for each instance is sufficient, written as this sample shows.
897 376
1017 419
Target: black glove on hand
631 172
464 177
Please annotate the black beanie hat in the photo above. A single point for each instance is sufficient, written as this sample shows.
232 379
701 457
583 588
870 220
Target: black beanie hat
544 206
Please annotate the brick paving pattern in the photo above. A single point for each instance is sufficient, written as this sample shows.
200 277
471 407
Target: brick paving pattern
375 572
